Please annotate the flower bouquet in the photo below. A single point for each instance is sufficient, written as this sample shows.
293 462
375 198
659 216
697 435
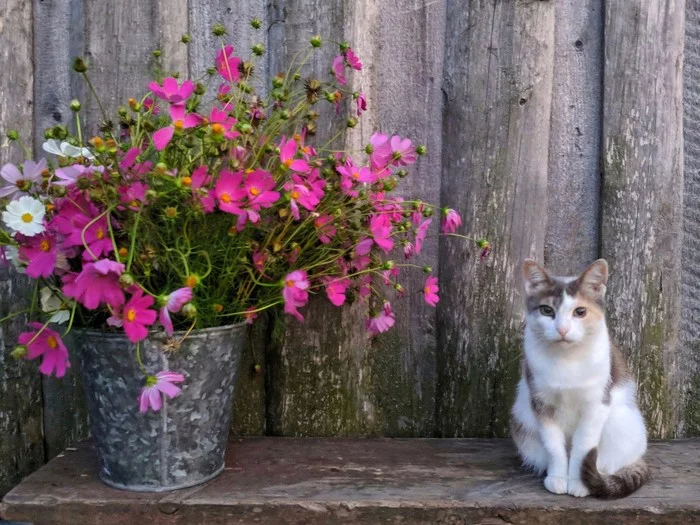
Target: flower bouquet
207 204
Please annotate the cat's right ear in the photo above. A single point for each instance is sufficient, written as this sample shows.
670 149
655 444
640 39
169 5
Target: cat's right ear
534 276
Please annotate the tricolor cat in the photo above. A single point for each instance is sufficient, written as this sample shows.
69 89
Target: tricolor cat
575 416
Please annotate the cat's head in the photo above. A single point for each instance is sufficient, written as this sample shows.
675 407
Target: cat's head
565 310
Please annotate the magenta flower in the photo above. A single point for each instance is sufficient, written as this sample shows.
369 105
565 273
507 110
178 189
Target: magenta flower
352 60
138 316
339 70
408 249
259 186
326 230
361 101
421 232
173 303
229 193
381 151
352 174
73 215
97 284
222 121
46 343
403 152
300 193
365 286
40 252
133 195
364 246
295 293
288 150
430 291
227 64
21 182
335 290
250 315
380 226
181 120
382 321
450 220
70 175
161 383
171 92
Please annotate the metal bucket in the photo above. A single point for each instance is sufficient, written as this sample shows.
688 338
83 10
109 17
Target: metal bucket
184 443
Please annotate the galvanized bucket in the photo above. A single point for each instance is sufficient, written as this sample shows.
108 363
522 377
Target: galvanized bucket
184 443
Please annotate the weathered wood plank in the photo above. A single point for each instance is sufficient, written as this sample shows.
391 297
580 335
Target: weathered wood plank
574 148
119 40
55 85
21 441
314 481
498 87
689 354
642 188
402 50
235 15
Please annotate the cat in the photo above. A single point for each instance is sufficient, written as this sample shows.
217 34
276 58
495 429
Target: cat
575 416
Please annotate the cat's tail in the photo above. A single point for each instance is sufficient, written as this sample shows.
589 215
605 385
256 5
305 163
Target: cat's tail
621 484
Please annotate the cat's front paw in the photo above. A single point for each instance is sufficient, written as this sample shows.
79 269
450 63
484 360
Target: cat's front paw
555 484
577 488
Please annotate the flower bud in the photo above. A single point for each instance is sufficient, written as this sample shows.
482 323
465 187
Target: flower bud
185 39
399 288
126 280
189 310
122 111
278 80
388 265
369 149
161 168
48 134
199 89
352 122
60 132
258 50
482 243
13 134
211 71
427 269
218 30
421 149
244 127
316 41
19 351
284 114
170 212
151 195
79 65
296 76
256 23
257 369
402 174
218 308
75 105
156 53
390 184
344 46
123 252
428 211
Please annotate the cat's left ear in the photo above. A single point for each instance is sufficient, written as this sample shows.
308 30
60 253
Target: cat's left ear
595 278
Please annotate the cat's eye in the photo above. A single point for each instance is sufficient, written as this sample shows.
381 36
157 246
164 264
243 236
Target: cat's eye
580 312
547 310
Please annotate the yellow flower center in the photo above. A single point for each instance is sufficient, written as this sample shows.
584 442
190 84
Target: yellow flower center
191 281
27 217
45 245
295 195
100 234
123 252
217 129
179 124
225 198
289 283
187 181
355 175
51 341
288 162
254 191
130 315
426 289
297 137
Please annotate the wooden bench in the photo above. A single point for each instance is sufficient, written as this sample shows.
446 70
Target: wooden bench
309 481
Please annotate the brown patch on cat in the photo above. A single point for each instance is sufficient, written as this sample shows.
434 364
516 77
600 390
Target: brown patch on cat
621 484
619 373
542 288
541 409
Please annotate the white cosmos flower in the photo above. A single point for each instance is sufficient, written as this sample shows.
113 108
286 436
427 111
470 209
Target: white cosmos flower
25 216
64 149
50 303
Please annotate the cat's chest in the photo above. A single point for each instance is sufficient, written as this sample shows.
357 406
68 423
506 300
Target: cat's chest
567 406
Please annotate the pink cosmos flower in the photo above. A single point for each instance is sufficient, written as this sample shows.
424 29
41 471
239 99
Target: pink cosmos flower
380 226
137 316
365 286
181 120
229 193
173 303
48 344
382 321
308 195
131 168
339 70
361 104
403 152
198 180
364 246
21 182
259 186
171 92
288 150
149 105
421 232
352 59
352 174
326 230
250 315
97 284
259 260
408 250
133 195
450 221
295 293
227 64
69 175
225 121
430 291
161 383
40 252
75 220
335 290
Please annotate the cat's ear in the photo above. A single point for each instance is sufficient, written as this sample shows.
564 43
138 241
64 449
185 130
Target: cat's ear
534 276
595 278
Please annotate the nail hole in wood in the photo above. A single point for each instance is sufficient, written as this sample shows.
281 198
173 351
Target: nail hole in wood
522 101
578 44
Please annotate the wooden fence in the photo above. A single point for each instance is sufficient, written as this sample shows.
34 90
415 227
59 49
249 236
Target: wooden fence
554 127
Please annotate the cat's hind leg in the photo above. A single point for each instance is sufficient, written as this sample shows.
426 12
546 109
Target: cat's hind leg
624 438
524 429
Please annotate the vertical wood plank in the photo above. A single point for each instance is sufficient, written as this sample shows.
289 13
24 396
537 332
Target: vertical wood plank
642 198
65 412
574 152
21 440
402 48
119 40
235 15
498 88
689 352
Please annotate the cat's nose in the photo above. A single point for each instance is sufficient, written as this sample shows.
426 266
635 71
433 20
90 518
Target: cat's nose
563 330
